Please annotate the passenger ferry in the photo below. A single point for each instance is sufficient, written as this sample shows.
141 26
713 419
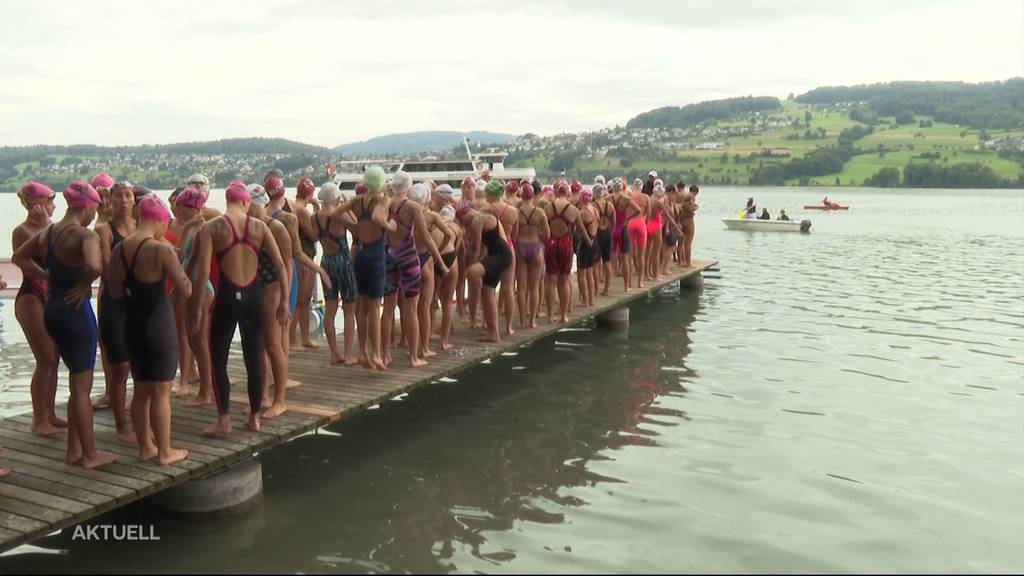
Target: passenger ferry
452 172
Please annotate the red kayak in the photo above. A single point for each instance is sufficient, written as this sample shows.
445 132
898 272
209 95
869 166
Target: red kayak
823 207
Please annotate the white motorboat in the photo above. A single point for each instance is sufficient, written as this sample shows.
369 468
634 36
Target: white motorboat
767 225
452 172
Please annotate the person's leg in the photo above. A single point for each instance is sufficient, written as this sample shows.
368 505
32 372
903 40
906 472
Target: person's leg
363 328
275 352
523 291
387 326
141 421
307 281
349 314
411 323
118 376
474 276
490 309
184 350
373 319
250 324
28 311
508 282
447 291
223 321
534 271
427 282
330 311
564 296
81 386
160 418
200 344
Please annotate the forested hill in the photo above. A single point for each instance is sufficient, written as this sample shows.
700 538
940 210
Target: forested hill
693 114
225 146
425 141
985 105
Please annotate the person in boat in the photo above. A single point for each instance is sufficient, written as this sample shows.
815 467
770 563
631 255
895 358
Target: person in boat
531 233
764 215
783 215
138 271
275 341
234 239
750 212
71 254
113 344
28 310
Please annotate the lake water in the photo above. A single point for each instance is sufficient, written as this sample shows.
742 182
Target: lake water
846 400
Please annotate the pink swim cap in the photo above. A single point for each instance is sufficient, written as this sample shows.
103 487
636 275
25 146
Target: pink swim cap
102 180
238 192
511 187
81 194
586 195
151 207
361 189
274 187
576 186
547 191
190 198
526 190
462 210
36 192
562 190
305 188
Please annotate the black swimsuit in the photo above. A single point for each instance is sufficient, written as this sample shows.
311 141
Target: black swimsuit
499 255
112 316
149 327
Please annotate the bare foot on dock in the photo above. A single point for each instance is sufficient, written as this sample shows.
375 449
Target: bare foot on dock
4 472
58 422
219 428
198 400
253 423
336 359
509 331
446 346
490 338
350 361
45 429
429 354
377 364
183 391
310 344
364 361
127 436
148 453
100 402
100 459
293 383
74 456
296 347
275 410
172 456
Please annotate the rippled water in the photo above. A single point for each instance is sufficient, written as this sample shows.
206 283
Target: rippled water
847 400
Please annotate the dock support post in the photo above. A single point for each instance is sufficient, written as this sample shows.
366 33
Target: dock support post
616 318
692 282
234 490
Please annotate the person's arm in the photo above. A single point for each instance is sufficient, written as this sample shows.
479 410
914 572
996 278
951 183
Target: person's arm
173 270
380 218
269 245
545 227
449 236
25 256
203 255
92 262
425 237
581 226
306 224
476 228
115 274
300 257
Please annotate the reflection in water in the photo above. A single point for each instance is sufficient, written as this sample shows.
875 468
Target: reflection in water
425 483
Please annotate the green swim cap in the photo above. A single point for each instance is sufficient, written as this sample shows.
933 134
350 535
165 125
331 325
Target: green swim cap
494 189
374 178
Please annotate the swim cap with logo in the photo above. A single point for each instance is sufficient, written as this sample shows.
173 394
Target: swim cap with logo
274 187
36 192
237 192
258 195
81 194
401 182
305 188
190 198
419 193
329 192
526 190
153 208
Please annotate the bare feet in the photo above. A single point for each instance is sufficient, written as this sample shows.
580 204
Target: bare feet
292 383
97 460
377 364
127 436
254 422
489 338
310 344
336 359
350 361
220 428
417 362
183 391
45 429
428 354
172 456
100 402
74 456
4 472
446 346
58 422
198 400
147 453
509 331
275 410
296 347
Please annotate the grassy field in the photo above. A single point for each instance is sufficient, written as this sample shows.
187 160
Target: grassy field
890 146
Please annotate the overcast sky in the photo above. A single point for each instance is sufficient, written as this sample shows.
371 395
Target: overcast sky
330 72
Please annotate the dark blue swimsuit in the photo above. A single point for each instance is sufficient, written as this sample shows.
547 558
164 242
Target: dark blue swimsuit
73 330
369 263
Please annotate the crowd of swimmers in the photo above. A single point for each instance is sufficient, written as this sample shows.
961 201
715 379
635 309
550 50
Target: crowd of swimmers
176 280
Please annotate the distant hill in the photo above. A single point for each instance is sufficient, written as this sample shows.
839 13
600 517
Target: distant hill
693 114
426 141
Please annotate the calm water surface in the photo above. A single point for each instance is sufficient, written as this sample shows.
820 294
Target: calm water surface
847 400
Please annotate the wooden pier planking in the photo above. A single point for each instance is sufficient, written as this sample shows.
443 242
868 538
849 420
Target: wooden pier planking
43 495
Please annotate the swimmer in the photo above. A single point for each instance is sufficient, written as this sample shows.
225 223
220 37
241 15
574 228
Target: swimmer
239 299
531 234
73 260
485 272
563 220
140 265
37 200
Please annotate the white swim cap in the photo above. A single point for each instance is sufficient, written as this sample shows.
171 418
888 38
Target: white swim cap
329 192
401 182
448 212
599 179
258 195
419 193
599 190
445 191
198 178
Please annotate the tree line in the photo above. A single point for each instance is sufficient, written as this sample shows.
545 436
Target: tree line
693 114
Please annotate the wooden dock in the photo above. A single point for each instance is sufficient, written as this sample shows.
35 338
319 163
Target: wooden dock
43 495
